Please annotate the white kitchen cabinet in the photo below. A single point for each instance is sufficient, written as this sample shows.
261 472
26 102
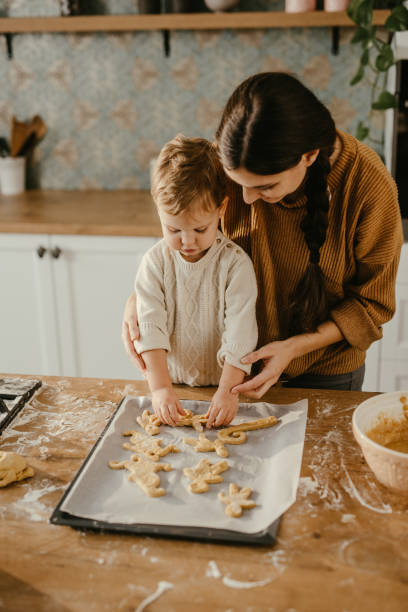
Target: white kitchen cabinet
28 324
61 313
387 360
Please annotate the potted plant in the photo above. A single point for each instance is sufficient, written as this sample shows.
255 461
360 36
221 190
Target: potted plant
377 55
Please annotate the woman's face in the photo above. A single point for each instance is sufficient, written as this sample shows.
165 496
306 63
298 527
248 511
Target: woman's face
271 188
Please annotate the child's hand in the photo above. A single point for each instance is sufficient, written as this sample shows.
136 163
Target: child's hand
223 408
166 405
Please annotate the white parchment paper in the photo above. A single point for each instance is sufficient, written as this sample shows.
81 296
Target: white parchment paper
268 462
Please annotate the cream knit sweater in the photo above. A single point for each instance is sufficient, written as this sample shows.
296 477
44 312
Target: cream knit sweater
201 313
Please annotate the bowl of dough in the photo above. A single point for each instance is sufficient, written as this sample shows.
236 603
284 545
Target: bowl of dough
380 426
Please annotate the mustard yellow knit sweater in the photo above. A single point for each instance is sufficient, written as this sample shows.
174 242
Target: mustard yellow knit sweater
359 257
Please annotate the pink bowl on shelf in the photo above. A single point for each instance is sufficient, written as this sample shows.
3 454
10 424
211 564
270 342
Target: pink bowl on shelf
389 466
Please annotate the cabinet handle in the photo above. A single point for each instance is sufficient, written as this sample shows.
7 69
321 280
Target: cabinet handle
56 252
41 251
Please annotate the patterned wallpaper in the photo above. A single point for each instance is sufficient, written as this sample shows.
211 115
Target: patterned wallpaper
110 101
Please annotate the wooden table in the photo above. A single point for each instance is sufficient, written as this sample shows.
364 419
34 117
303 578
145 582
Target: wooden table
343 546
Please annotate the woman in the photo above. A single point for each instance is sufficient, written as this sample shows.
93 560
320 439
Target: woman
318 214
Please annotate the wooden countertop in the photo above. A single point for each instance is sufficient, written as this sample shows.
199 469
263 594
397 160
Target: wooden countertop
100 213
342 546
93 213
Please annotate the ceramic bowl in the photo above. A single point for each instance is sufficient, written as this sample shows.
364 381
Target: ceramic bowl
389 466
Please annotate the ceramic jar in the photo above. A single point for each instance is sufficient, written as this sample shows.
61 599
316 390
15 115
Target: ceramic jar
299 6
336 5
221 5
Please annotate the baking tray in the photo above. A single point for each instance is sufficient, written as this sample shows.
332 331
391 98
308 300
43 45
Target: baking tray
14 394
80 507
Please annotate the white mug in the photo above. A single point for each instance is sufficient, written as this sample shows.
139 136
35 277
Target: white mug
12 175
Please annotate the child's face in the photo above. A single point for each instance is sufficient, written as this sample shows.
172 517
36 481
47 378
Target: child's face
191 232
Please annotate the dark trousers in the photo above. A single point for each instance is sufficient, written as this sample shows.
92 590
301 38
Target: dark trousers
352 381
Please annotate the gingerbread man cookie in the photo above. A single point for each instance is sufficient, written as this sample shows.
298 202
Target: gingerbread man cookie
203 474
192 420
143 473
150 422
236 435
204 445
13 467
145 445
236 500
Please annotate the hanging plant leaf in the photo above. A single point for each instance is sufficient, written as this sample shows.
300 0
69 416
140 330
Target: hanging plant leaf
362 35
385 100
362 131
365 57
398 20
384 59
358 76
361 12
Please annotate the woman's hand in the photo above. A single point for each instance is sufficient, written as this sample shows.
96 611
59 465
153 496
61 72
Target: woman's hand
223 408
130 332
276 356
166 405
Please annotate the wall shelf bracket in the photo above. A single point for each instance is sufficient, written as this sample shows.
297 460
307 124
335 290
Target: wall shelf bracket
335 40
166 42
9 44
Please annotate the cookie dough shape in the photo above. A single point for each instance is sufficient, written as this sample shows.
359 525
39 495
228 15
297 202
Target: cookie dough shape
13 467
192 420
236 500
204 445
144 473
236 433
203 474
150 422
139 443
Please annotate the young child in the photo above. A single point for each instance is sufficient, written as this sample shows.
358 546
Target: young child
195 289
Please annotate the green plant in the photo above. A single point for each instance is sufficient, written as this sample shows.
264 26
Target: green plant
377 55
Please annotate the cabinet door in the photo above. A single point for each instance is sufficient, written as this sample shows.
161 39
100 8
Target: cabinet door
93 276
28 335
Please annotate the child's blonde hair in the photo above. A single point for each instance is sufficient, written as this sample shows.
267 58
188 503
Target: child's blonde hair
188 171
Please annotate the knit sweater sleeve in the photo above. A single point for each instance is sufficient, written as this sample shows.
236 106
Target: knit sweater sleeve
369 299
240 331
150 303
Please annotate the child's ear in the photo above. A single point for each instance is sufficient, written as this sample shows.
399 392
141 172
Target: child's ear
223 206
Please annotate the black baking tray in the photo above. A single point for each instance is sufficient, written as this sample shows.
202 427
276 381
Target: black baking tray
14 394
266 537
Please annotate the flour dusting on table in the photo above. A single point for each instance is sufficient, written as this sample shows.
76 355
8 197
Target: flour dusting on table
162 587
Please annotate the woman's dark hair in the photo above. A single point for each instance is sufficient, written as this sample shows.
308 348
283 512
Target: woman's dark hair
269 122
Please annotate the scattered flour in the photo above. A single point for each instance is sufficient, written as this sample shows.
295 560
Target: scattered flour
162 587
212 570
30 505
307 485
352 490
237 584
348 518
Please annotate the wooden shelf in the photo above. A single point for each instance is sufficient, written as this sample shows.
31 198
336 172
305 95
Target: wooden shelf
178 21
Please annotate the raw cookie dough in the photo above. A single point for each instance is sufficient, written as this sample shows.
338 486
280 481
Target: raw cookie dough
192 420
204 445
13 467
150 422
404 402
391 433
139 443
236 435
143 473
236 500
203 474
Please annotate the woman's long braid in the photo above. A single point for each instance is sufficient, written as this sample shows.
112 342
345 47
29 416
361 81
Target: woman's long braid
310 305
